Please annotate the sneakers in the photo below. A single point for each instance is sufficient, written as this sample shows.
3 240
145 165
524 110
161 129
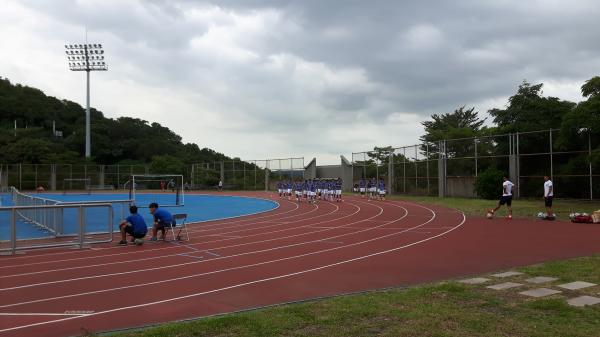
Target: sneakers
153 239
123 243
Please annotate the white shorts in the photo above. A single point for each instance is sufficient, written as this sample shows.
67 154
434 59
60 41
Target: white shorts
362 190
338 192
373 189
298 192
381 192
325 192
288 191
280 191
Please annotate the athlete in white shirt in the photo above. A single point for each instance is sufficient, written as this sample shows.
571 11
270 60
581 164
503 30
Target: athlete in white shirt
507 189
548 196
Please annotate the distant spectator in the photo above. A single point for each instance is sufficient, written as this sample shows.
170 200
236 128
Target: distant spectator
40 189
220 185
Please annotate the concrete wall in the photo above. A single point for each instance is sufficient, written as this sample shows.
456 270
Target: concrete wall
346 174
460 187
329 171
310 170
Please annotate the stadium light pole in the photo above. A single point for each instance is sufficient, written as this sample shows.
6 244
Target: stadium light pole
86 57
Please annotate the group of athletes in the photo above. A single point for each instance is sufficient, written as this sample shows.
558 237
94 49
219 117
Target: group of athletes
311 190
372 188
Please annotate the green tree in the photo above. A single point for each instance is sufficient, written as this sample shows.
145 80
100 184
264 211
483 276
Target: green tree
591 88
462 123
166 164
26 150
528 110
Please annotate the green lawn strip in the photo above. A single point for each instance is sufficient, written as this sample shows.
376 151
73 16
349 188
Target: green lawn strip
521 207
588 269
438 309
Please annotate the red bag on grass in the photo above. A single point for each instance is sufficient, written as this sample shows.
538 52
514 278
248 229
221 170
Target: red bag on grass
582 219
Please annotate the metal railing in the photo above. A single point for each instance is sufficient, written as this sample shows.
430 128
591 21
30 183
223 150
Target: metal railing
81 234
47 221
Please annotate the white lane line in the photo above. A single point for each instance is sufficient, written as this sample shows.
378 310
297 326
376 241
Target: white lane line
190 246
129 254
223 270
192 224
39 314
167 266
255 281
251 223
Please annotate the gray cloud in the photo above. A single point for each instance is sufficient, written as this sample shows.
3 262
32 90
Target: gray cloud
267 78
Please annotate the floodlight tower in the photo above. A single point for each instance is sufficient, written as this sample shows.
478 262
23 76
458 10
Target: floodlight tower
86 57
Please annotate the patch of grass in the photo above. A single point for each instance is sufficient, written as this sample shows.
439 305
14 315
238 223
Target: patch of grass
588 269
521 207
445 309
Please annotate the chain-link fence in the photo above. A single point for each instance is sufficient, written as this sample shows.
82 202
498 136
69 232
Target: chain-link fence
246 175
235 174
445 168
450 167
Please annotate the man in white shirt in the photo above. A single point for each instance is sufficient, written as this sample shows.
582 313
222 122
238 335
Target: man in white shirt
548 196
507 189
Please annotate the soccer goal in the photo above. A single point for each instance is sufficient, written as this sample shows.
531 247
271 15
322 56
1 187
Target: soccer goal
168 185
76 186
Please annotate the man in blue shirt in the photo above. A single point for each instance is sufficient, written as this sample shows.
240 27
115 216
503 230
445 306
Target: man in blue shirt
162 219
133 225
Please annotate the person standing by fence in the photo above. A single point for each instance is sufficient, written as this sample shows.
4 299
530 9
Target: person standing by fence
548 196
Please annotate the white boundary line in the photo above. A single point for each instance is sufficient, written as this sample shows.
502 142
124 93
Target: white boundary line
105 249
190 246
173 265
248 253
191 223
255 281
39 314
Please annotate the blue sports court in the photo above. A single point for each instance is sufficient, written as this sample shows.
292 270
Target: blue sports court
198 208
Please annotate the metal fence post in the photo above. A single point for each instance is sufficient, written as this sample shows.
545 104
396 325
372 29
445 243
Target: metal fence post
590 163
518 167
475 145
13 232
391 172
416 170
427 165
81 237
404 170
551 158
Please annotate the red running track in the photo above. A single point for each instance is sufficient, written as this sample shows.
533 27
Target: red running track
296 252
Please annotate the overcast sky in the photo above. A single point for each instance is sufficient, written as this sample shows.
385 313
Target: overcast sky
313 78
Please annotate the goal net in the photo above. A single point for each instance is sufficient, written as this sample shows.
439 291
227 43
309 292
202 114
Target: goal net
76 186
148 187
